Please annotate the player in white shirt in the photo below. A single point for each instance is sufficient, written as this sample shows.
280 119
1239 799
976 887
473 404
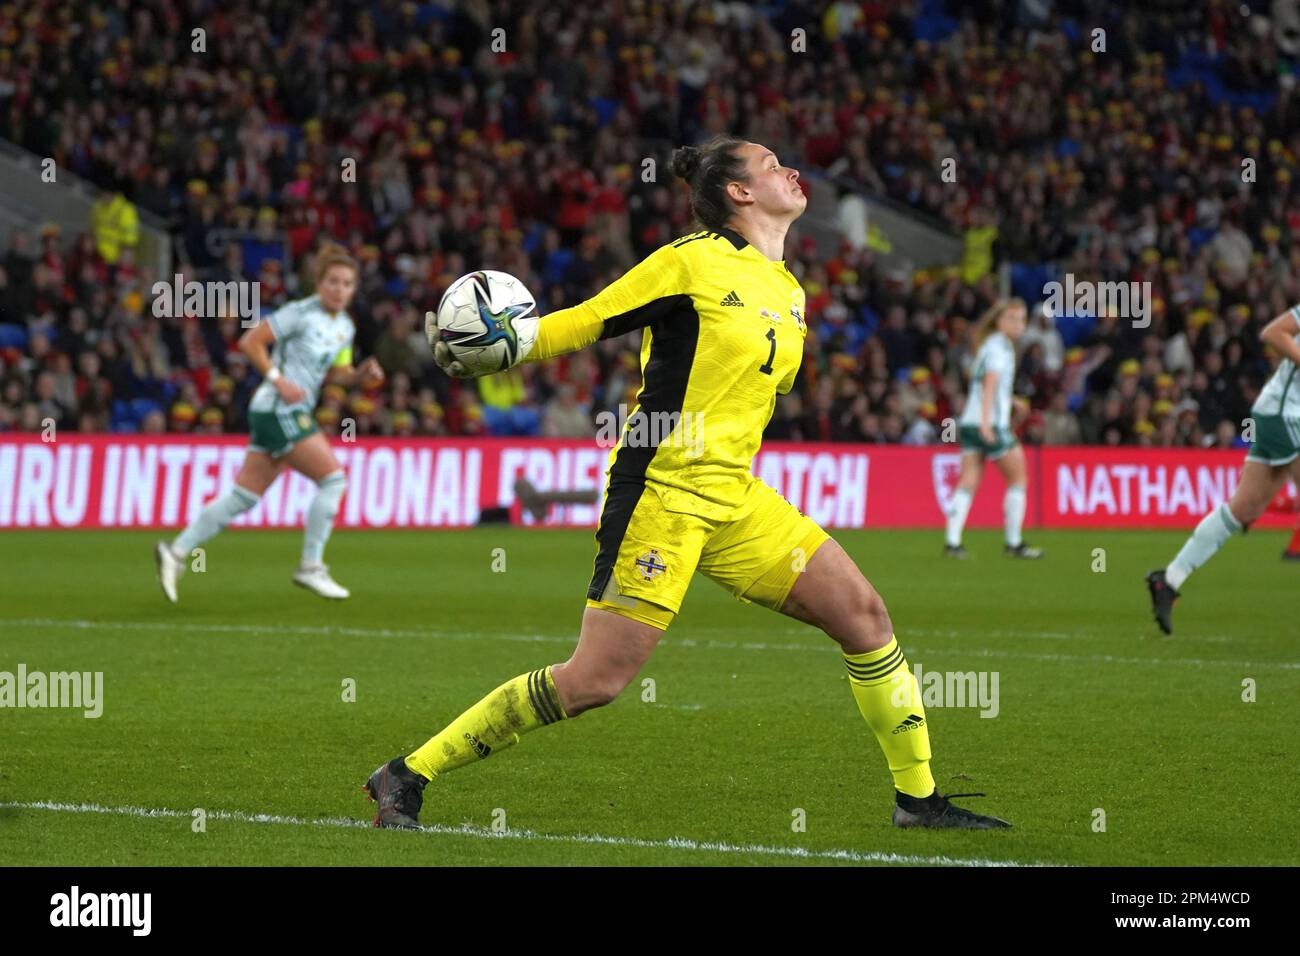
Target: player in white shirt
1274 455
299 348
985 429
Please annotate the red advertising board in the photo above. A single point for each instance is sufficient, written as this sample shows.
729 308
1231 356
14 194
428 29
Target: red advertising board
136 481
1141 487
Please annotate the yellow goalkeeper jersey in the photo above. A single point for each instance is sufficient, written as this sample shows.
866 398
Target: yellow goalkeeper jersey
723 333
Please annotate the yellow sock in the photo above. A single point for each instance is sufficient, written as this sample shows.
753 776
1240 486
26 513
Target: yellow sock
890 702
525 703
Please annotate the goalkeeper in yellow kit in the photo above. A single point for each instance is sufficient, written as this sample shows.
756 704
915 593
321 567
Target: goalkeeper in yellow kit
723 332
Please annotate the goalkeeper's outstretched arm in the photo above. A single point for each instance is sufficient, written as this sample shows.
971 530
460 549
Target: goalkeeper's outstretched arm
566 331
650 289
645 292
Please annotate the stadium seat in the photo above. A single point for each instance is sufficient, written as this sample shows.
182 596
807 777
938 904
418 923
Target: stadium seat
13 336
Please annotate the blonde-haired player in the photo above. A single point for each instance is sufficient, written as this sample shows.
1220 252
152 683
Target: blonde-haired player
297 350
985 430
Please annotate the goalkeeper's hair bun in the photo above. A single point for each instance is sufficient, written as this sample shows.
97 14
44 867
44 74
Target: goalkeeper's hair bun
685 162
708 168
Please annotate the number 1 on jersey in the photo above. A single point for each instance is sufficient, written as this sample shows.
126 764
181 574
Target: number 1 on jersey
766 368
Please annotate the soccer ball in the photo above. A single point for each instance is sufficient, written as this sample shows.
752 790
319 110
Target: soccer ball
488 320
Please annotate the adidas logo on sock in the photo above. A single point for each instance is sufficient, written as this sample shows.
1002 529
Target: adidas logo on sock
910 722
731 299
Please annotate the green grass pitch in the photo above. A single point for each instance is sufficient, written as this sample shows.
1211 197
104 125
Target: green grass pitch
233 702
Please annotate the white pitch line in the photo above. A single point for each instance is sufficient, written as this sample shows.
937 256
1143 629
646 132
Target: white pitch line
469 830
331 631
568 641
1112 659
1036 635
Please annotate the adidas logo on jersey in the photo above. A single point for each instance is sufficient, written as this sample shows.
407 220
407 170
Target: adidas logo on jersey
910 722
731 299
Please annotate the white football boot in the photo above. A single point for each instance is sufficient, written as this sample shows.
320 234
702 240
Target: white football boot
317 578
170 569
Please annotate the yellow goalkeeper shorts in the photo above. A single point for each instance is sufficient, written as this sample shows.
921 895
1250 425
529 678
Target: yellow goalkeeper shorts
650 542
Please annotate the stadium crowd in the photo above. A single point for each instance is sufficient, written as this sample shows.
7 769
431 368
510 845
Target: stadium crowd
1123 165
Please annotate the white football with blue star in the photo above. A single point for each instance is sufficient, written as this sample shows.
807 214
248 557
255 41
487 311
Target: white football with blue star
488 320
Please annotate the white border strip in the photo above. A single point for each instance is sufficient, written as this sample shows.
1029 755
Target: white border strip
672 843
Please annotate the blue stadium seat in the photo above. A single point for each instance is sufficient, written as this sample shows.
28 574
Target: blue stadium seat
13 336
118 413
1027 281
140 407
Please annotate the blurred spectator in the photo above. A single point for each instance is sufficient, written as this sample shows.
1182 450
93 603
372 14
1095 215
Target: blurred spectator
506 409
1060 426
565 417
115 224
